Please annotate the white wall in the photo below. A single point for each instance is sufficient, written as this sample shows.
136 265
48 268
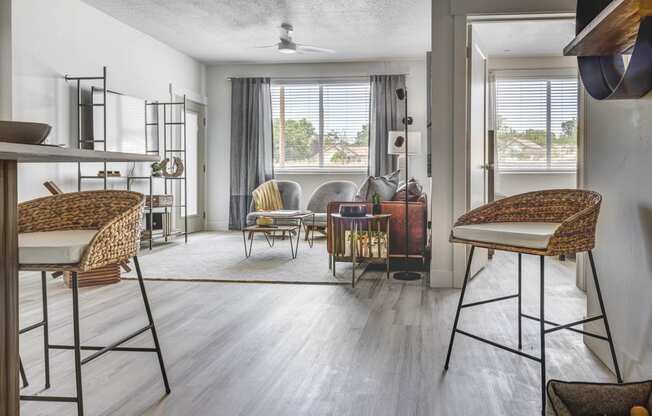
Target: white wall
618 154
54 38
219 121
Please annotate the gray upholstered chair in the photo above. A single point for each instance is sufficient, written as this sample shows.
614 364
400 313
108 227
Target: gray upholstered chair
290 194
340 191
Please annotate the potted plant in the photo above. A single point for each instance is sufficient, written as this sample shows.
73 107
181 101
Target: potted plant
157 168
375 200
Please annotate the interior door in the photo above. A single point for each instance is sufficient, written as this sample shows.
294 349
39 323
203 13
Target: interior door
195 169
477 135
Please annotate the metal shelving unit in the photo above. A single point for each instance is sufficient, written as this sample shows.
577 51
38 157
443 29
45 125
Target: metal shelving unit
168 123
83 142
80 104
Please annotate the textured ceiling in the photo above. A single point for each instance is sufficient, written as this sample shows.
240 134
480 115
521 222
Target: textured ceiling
230 30
525 38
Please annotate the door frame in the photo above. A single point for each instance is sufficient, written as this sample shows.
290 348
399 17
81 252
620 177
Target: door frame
461 168
481 256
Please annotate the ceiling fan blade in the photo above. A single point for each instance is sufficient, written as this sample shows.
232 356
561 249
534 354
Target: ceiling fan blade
268 46
313 49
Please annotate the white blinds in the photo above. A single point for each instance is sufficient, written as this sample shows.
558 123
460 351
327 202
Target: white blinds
320 125
563 123
536 123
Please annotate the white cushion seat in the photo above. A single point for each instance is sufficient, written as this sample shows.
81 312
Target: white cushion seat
534 235
53 247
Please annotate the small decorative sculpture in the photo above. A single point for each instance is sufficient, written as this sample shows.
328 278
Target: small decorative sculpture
609 77
160 168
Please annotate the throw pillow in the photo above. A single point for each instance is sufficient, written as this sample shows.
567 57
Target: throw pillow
384 186
414 189
267 197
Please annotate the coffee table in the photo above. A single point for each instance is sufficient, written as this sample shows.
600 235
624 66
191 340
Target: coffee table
270 232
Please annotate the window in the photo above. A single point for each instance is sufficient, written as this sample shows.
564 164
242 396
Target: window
321 125
536 123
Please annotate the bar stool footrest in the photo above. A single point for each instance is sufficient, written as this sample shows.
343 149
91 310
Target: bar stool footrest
568 326
49 399
497 345
112 347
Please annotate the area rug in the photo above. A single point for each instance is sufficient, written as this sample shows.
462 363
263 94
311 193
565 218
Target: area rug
219 257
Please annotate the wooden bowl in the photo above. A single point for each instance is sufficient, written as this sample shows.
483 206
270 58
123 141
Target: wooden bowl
23 132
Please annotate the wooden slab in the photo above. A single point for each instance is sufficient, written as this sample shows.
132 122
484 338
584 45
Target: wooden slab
613 31
26 153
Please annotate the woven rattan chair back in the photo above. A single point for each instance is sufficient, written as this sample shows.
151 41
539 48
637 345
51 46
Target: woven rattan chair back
115 214
575 209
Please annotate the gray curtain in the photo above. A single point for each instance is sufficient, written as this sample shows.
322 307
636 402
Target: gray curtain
385 115
251 143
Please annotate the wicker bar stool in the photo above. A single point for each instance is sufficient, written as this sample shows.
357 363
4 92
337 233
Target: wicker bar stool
79 232
542 223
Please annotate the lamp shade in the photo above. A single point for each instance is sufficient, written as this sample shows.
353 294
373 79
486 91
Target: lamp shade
396 142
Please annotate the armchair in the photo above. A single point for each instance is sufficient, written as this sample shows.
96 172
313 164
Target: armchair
290 194
327 192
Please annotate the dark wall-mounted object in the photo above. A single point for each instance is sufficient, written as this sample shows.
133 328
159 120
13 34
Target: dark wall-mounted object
24 133
606 31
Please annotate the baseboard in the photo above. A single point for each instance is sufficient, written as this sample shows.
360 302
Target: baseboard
441 278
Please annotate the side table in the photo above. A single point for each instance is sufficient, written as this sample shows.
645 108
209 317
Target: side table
360 240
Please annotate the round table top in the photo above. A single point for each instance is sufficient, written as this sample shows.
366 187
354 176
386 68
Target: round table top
366 217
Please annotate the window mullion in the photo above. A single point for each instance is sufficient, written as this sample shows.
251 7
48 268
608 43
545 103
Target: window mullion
321 125
548 124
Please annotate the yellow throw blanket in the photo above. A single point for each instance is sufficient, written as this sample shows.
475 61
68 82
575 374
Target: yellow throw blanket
267 197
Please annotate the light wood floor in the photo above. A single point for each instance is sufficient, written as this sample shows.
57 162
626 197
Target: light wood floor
248 349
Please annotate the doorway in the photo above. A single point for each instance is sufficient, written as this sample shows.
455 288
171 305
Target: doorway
522 111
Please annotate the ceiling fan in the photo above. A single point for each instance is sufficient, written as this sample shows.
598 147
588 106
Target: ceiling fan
288 46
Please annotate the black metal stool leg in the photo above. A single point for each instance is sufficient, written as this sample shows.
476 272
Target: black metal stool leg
23 377
542 329
459 307
151 323
46 337
604 317
77 344
520 310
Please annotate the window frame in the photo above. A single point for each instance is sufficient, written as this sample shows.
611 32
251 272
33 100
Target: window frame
321 81
540 74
